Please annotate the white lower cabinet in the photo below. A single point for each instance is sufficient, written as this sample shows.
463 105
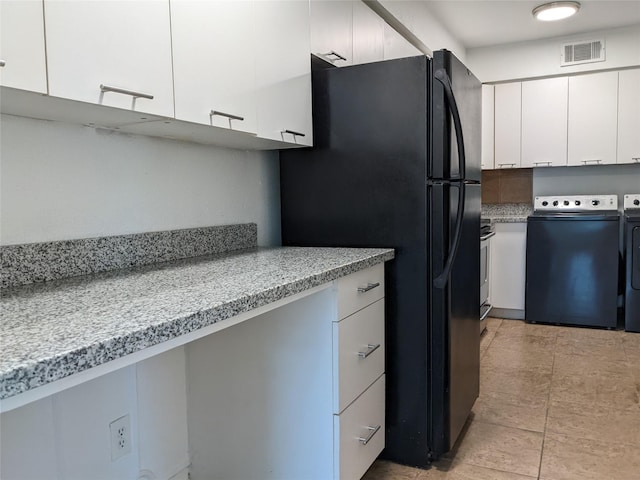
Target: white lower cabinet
359 433
508 266
295 393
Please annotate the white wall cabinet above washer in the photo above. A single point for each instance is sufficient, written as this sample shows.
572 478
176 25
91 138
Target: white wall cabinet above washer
123 46
508 120
629 116
214 63
283 85
488 117
22 57
332 31
593 118
544 122
368 34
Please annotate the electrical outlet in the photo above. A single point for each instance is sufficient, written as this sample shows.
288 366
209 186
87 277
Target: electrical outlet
120 437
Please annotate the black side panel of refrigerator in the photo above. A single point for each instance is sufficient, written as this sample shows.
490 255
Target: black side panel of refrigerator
364 184
468 92
455 309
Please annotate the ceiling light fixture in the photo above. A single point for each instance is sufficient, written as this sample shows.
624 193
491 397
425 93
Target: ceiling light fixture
553 11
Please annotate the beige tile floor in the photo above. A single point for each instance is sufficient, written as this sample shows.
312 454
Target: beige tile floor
556 403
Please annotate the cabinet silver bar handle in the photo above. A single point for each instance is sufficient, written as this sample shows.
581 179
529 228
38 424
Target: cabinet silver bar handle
369 286
636 159
2 63
597 161
370 349
294 133
337 55
367 439
500 165
542 163
228 115
124 91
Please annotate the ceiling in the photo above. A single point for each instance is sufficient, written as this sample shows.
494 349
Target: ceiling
482 23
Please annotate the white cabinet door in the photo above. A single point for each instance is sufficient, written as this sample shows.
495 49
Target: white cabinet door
284 80
487 127
508 265
629 116
396 46
22 60
368 35
593 117
508 111
332 31
121 44
213 61
544 122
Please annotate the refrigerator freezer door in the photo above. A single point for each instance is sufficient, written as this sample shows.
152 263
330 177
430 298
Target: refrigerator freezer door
467 90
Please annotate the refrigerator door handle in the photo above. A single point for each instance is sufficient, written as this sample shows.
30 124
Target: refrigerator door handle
443 78
441 280
441 75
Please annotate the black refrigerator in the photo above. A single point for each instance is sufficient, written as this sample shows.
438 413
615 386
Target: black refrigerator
396 163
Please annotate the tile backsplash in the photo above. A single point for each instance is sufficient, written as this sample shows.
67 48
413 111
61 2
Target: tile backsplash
507 186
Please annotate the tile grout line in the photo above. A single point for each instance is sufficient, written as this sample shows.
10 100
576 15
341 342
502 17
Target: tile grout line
546 417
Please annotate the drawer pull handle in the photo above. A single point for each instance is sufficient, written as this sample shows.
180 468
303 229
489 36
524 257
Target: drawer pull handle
294 133
370 349
636 159
337 55
596 160
124 91
506 165
228 115
548 164
370 286
367 439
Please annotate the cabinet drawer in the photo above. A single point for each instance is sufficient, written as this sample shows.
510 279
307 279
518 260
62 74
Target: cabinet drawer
358 353
360 289
364 419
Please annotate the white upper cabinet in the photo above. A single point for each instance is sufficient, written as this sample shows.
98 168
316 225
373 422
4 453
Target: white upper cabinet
593 117
284 83
332 31
115 53
544 122
396 46
368 34
508 118
214 62
629 116
487 126
22 59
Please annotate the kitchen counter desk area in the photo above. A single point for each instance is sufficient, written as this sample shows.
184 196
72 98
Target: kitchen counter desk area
258 327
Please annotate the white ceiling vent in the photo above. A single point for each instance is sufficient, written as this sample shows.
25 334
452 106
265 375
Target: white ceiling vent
582 52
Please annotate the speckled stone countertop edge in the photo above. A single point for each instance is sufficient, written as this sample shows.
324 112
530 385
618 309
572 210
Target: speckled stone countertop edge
35 374
507 213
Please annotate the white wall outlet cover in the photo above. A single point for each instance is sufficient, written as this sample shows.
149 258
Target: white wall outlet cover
120 430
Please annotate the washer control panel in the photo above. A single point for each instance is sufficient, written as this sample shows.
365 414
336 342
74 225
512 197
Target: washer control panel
632 201
576 203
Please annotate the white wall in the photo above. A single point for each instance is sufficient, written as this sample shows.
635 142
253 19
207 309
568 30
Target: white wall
62 181
594 180
66 436
542 58
417 18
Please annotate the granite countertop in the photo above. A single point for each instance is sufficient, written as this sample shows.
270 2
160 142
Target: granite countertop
507 213
55 329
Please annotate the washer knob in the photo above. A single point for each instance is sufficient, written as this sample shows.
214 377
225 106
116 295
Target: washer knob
595 202
578 203
555 203
545 203
636 202
566 202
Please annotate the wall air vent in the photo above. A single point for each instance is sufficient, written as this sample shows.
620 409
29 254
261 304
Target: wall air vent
582 52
